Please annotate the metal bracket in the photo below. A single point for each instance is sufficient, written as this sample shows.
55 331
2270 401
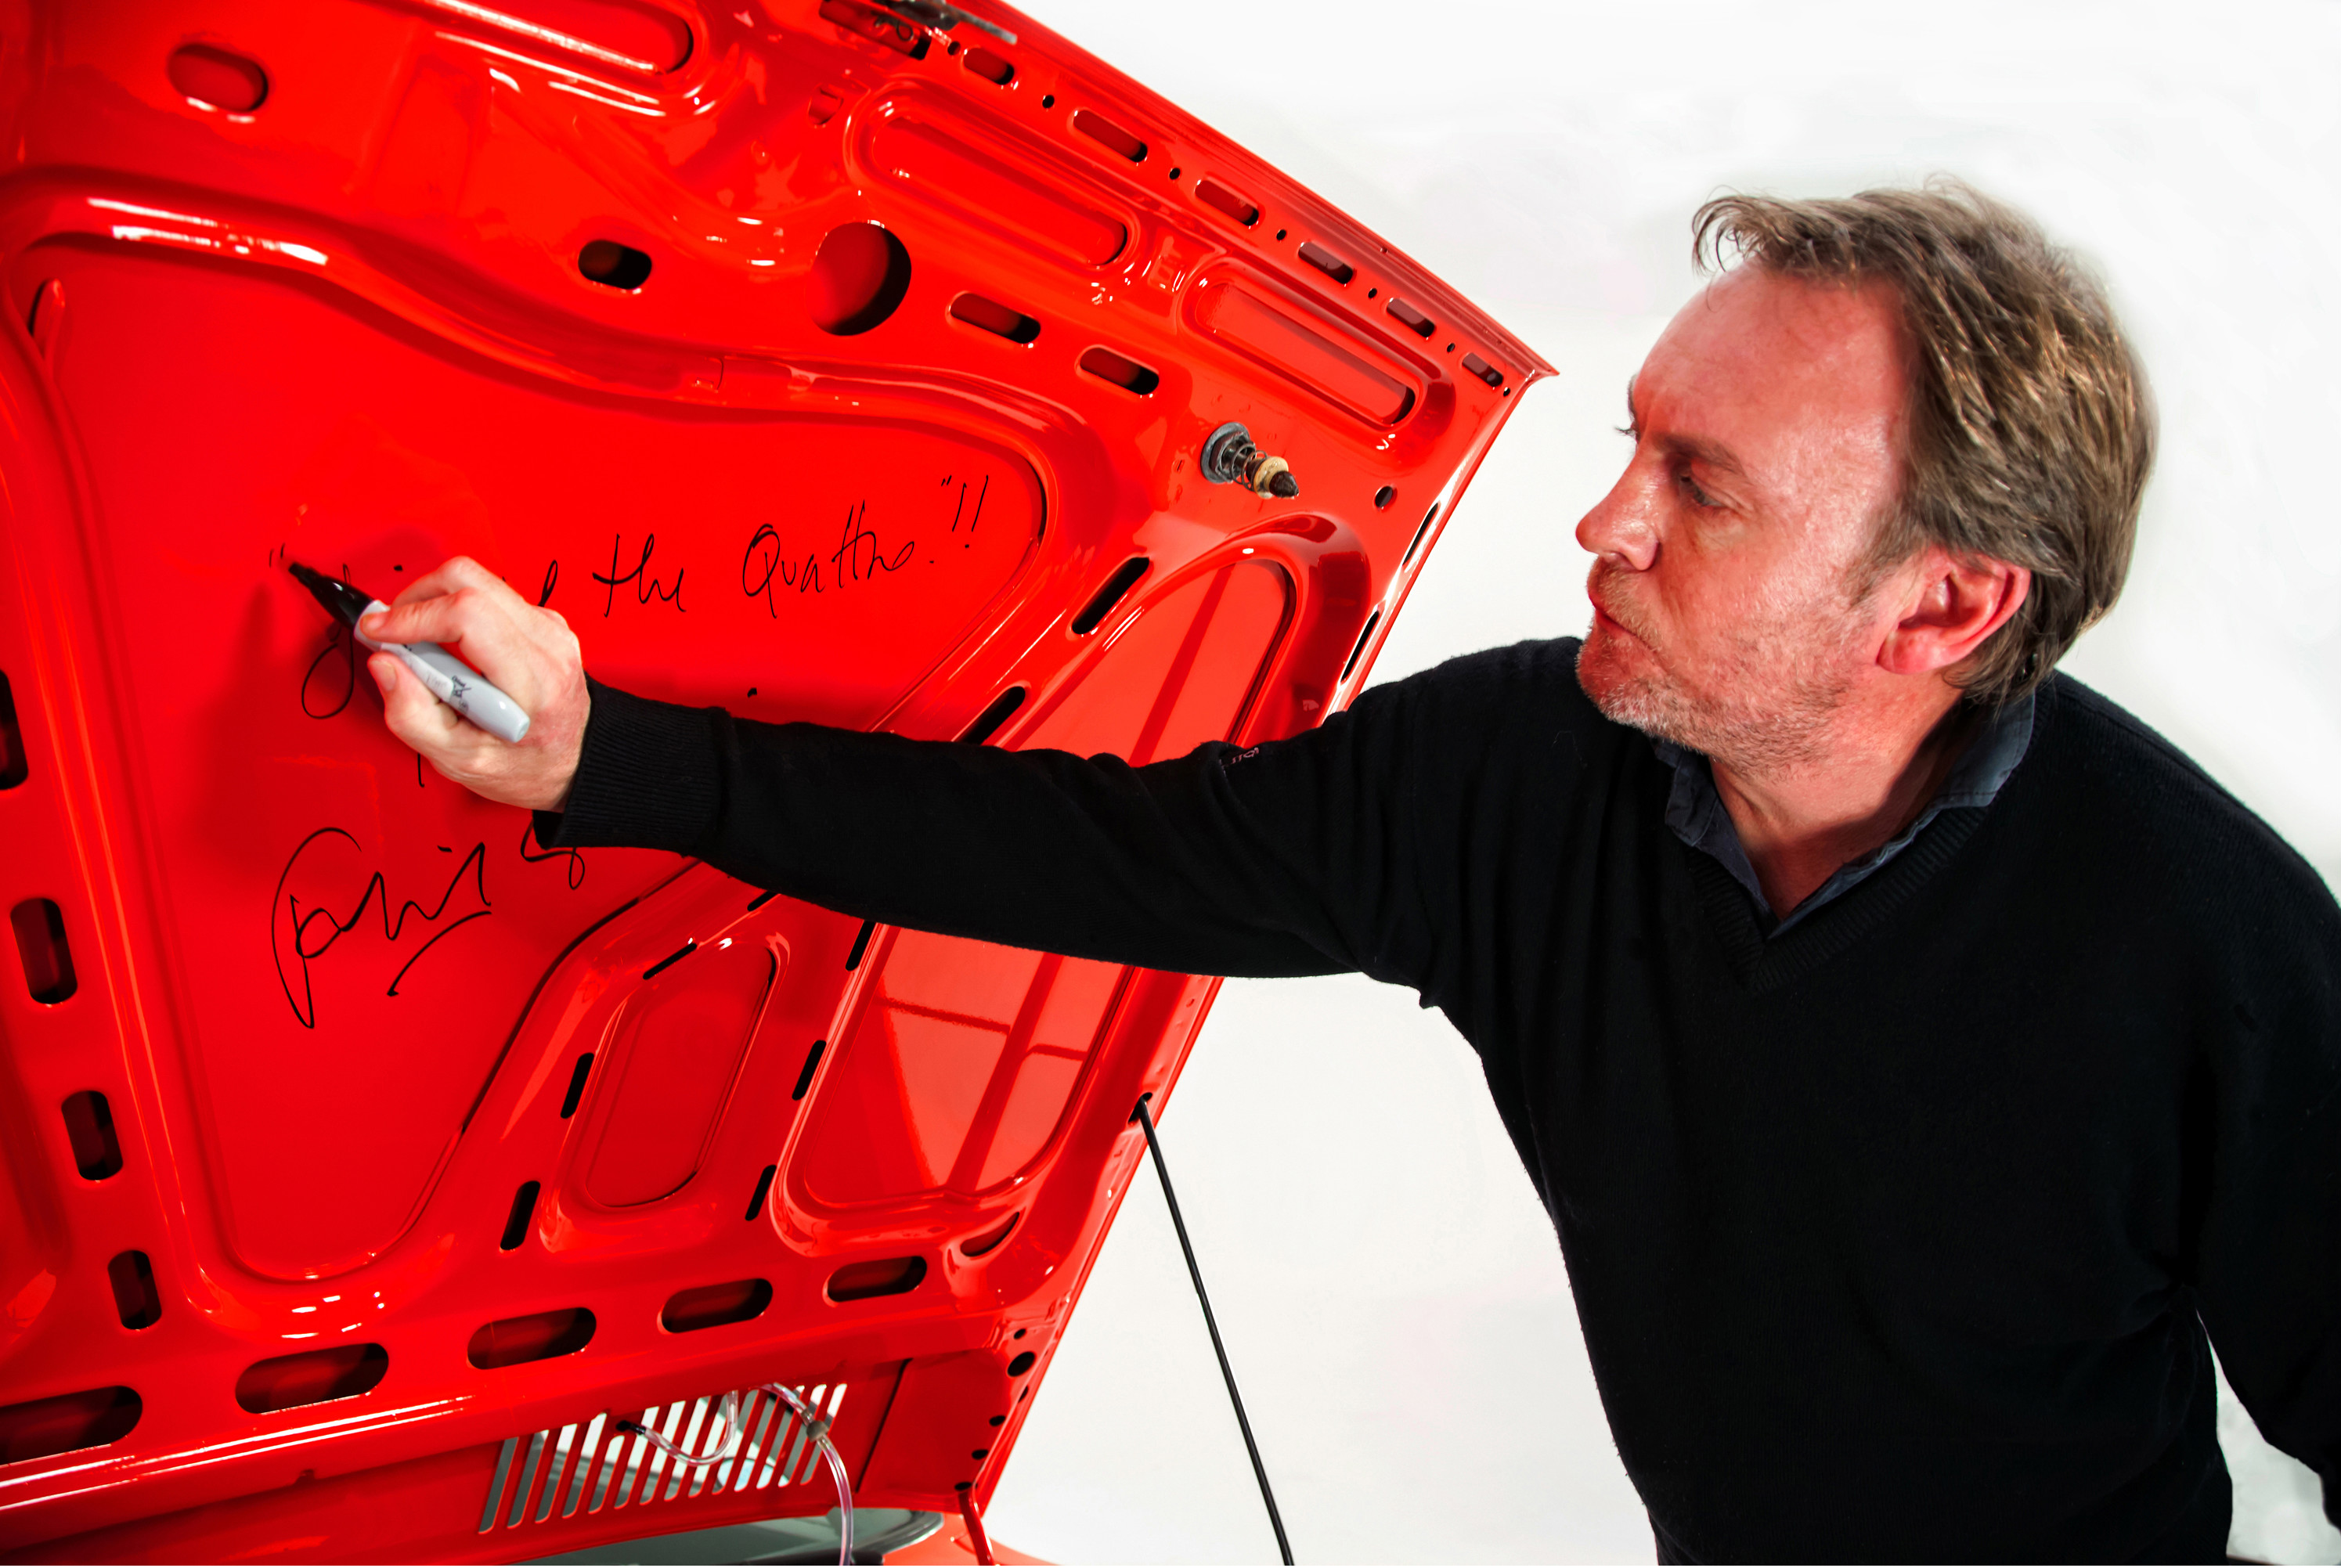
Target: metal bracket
943 18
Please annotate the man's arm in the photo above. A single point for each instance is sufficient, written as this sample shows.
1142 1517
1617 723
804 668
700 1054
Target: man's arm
2269 1247
1276 860
1292 858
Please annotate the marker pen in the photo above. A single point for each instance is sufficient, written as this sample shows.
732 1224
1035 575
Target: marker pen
450 681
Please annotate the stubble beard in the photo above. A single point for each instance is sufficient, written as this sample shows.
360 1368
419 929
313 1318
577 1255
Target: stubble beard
1766 698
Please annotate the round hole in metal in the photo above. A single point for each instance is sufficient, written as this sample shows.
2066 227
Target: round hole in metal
859 276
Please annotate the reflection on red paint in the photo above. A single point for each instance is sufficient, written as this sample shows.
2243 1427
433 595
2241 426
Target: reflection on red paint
326 1072
967 1054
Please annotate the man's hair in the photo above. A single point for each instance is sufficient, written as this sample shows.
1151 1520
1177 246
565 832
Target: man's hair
2031 429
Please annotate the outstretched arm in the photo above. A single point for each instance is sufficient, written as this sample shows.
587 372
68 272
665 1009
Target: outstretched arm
1284 859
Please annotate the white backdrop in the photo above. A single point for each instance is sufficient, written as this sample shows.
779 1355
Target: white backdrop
1388 1287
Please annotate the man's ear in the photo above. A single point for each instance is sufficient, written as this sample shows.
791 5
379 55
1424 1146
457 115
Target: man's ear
1951 605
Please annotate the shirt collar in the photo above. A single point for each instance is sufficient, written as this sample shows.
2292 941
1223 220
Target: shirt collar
1696 812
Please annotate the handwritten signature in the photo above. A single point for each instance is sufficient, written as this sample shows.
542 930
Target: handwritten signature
298 937
576 866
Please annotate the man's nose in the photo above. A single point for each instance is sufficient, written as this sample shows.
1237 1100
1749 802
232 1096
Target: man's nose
1620 528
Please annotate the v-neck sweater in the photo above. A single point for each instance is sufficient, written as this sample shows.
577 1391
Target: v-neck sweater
1894 1237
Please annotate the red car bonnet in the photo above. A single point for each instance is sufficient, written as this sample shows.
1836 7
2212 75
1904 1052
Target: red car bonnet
366 1164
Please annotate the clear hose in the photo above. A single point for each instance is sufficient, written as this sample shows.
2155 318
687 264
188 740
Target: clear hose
727 1411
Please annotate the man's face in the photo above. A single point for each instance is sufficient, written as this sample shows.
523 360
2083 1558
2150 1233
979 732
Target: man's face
1767 427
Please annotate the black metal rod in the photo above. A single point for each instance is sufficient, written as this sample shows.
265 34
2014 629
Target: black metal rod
1154 1148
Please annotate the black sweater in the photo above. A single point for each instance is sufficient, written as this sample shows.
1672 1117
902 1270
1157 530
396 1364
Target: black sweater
1893 1238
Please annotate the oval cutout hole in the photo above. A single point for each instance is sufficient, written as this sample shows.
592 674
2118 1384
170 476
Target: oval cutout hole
1326 261
13 766
991 67
578 1074
1101 603
135 1300
1416 543
764 1185
614 265
977 1246
1127 374
713 1306
988 723
812 1060
312 1378
995 318
859 274
40 1427
881 1276
1383 497
523 1209
218 79
89 1129
540 1336
40 928
1413 320
1022 1363
1363 637
1106 134
1213 194
1483 370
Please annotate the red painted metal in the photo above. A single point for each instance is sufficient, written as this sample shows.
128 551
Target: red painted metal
366 1165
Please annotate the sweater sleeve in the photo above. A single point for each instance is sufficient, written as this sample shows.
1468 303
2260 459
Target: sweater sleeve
1290 858
2269 1270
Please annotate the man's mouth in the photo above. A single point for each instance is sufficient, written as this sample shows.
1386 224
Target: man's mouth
1604 619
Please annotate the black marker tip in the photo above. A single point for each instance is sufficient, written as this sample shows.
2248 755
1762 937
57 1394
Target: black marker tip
341 601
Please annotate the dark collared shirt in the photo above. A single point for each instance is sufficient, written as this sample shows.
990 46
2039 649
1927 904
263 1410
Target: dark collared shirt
1697 814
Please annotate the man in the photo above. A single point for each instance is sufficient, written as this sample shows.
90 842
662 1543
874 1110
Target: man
1916 1054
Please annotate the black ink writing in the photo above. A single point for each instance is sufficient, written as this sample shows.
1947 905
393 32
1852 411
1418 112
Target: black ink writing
553 575
857 554
576 866
298 938
646 587
860 557
324 702
765 552
338 661
979 494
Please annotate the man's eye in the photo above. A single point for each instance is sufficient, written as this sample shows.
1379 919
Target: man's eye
1698 496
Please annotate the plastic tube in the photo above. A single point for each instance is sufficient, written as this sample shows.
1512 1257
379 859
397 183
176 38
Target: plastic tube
728 1411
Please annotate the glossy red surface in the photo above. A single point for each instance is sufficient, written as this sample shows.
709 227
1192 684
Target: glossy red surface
366 1165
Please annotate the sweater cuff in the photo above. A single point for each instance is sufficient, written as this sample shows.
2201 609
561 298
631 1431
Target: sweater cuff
648 778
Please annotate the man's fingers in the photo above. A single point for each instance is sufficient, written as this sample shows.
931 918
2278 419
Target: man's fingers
413 715
522 649
487 633
529 653
457 600
456 572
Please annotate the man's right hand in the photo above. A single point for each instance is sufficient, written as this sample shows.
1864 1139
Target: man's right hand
529 653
